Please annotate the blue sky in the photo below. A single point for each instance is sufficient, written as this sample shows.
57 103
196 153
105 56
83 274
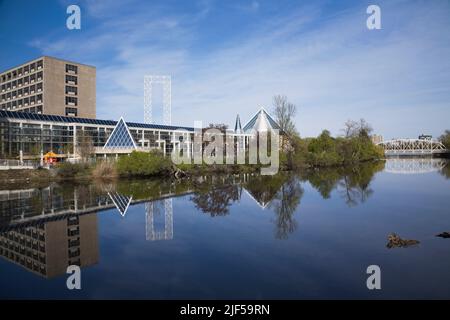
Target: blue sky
229 57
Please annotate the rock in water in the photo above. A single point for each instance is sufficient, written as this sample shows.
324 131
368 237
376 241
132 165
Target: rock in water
394 241
444 235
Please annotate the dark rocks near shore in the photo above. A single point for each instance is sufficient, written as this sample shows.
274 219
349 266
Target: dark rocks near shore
444 235
394 241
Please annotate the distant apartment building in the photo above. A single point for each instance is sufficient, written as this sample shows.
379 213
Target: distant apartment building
376 138
50 86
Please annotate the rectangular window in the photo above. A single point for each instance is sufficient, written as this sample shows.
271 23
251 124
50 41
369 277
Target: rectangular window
71 112
71 90
71 101
71 79
70 68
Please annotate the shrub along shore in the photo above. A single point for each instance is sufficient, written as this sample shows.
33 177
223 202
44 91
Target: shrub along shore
300 154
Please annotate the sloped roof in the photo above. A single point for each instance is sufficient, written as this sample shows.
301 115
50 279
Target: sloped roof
4 114
120 137
238 126
261 121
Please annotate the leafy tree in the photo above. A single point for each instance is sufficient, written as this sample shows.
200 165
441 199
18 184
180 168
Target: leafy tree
445 139
151 163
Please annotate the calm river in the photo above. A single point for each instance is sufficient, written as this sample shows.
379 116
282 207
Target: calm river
291 236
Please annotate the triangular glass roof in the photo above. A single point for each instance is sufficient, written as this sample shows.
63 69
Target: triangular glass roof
121 137
251 124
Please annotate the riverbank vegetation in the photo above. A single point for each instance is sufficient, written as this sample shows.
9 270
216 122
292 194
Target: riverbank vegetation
445 139
354 146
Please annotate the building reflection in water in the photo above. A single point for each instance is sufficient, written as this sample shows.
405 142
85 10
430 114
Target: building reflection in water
48 248
121 202
46 229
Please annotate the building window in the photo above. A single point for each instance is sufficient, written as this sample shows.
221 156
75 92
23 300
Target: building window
71 90
70 68
71 112
71 101
71 79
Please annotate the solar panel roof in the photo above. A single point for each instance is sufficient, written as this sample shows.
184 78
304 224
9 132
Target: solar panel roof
55 118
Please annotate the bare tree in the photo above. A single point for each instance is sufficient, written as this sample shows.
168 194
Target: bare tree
284 112
350 127
357 128
85 147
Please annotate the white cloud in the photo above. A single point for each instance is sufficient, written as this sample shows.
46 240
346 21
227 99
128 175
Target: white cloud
331 66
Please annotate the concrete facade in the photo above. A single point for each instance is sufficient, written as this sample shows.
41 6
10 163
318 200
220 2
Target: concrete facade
50 86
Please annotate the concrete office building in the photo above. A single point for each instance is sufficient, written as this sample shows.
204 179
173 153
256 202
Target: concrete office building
50 86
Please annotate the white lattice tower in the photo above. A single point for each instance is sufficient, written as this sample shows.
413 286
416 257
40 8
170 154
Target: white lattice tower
166 82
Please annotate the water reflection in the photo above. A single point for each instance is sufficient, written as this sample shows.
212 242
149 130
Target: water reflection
216 201
48 248
446 170
284 204
153 211
46 229
415 165
352 183
214 196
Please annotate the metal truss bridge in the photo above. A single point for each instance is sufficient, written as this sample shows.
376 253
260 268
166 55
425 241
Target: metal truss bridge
412 147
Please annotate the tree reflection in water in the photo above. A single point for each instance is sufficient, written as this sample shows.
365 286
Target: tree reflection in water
284 205
213 195
216 201
446 170
352 183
